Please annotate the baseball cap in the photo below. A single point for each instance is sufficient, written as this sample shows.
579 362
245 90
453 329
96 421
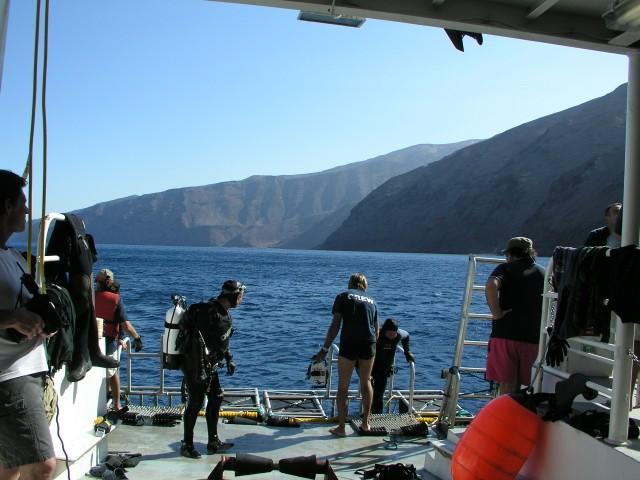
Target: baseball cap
104 275
518 243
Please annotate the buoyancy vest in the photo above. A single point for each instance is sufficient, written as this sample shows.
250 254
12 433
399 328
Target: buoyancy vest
106 306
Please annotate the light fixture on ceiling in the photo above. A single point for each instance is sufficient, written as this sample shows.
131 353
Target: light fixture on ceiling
623 15
331 17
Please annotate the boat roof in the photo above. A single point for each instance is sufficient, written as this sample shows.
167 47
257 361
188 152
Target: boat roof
575 23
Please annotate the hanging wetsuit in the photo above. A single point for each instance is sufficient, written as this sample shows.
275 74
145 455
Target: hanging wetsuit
385 356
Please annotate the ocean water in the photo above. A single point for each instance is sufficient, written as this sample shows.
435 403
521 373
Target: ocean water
286 309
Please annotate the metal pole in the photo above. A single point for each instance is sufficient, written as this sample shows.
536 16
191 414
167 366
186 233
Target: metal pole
4 26
618 427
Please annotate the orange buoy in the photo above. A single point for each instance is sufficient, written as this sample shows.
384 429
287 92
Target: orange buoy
497 443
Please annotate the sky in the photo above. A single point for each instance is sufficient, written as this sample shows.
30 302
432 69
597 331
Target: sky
149 95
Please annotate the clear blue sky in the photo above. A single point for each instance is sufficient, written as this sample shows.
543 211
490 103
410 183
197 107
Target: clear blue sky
148 95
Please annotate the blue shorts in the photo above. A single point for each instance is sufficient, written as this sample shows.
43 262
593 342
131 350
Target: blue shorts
24 436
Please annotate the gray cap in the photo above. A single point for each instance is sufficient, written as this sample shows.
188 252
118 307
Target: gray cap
518 243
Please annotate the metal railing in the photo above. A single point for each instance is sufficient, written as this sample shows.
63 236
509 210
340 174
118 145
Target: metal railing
452 375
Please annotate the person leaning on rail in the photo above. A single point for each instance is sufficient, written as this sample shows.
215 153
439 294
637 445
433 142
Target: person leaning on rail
26 448
388 339
513 293
110 307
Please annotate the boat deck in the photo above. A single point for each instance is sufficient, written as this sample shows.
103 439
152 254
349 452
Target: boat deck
161 459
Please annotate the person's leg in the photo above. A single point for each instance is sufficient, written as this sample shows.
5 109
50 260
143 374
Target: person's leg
365 389
379 386
501 366
194 404
112 350
215 394
345 369
114 385
38 471
26 448
9 473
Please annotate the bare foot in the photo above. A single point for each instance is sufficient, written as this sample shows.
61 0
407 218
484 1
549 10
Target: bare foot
365 427
338 432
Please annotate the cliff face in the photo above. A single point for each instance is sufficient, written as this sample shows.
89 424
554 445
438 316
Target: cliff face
549 179
296 211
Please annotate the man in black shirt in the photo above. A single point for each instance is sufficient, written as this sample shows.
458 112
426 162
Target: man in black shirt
358 315
514 295
207 346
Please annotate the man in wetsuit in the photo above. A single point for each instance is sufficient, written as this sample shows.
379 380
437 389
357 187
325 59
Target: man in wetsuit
206 347
514 295
358 315
110 307
389 338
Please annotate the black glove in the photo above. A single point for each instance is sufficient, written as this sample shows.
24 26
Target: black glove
137 344
556 351
231 367
409 356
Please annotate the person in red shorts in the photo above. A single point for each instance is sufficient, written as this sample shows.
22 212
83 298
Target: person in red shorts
514 295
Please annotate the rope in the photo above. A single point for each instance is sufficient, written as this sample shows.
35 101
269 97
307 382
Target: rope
45 57
28 170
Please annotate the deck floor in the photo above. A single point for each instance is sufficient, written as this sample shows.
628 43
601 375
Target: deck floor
161 459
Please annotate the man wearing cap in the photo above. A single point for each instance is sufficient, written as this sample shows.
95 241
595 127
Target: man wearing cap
110 307
210 328
388 339
514 295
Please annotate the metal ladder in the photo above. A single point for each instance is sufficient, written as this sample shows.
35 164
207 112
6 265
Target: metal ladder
449 408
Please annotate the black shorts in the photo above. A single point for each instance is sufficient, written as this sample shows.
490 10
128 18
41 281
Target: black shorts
358 350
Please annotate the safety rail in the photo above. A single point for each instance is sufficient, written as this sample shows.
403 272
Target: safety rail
449 408
326 394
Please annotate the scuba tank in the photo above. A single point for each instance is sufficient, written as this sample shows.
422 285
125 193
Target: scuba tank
171 356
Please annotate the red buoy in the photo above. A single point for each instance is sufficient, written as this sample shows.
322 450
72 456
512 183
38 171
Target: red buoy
497 443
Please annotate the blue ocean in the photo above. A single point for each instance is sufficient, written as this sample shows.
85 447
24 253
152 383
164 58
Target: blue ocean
286 310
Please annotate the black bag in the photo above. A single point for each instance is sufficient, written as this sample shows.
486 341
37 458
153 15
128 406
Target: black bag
395 471
596 424
60 346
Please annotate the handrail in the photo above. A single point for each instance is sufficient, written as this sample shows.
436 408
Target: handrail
449 406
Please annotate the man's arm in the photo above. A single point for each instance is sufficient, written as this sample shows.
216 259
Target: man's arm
24 321
492 295
404 339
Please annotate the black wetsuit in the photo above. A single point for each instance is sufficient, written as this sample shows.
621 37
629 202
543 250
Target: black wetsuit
200 369
383 363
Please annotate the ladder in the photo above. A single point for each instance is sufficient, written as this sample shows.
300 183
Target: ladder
449 408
